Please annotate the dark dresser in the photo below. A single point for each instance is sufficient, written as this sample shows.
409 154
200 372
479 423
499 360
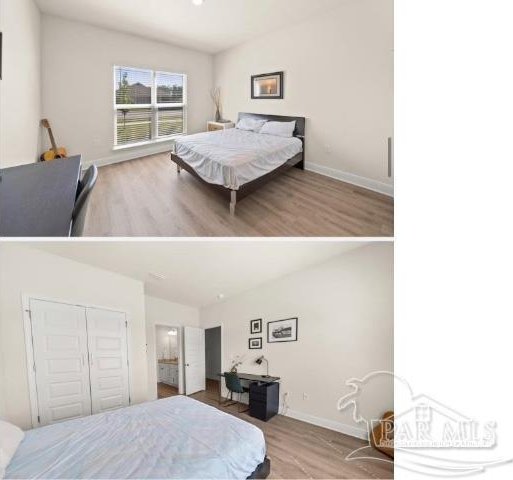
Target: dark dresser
264 400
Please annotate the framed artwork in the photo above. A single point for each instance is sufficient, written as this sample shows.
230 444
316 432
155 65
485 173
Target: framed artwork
282 331
255 343
267 86
256 326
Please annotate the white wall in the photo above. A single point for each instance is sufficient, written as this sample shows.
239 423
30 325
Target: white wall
339 74
20 87
163 312
345 310
30 271
2 379
78 62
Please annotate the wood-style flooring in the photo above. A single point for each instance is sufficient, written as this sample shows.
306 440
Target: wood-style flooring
165 391
299 450
146 197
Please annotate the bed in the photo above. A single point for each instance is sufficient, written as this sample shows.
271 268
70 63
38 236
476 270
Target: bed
176 437
235 163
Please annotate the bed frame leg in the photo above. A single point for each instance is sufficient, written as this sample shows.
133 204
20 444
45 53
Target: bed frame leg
178 169
233 201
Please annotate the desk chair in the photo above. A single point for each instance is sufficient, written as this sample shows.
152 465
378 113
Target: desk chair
85 187
233 385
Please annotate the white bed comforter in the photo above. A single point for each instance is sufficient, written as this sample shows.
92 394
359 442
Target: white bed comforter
173 438
235 157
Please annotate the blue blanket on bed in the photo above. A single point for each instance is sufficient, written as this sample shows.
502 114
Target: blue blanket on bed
173 438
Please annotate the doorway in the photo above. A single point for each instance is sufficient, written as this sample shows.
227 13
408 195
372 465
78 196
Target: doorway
213 361
167 352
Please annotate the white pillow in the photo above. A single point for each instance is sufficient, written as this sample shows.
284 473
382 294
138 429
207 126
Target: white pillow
279 129
250 124
10 437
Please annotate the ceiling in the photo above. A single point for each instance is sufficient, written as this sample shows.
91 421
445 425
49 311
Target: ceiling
196 272
212 27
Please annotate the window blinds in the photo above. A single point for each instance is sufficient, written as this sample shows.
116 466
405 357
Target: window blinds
148 105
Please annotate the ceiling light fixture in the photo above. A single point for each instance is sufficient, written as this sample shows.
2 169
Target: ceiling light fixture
198 2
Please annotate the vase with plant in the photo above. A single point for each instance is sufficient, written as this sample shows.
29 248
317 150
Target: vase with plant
215 94
236 363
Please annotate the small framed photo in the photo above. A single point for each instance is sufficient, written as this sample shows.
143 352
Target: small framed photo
282 331
268 85
255 343
256 326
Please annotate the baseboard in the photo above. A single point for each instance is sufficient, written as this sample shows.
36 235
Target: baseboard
313 420
125 155
329 424
351 178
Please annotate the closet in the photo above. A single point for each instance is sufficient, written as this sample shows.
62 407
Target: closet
80 360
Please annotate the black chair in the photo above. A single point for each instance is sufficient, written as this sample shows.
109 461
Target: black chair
85 187
234 386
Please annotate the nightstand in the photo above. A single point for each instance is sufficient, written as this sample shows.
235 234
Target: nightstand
213 126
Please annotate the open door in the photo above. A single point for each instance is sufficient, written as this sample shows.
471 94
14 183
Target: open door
194 359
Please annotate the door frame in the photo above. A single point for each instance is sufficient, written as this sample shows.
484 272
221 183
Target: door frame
29 346
179 340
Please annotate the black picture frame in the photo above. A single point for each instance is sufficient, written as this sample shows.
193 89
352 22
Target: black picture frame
255 326
279 95
259 343
294 331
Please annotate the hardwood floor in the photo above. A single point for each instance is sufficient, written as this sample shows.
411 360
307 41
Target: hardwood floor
299 450
146 197
212 388
165 391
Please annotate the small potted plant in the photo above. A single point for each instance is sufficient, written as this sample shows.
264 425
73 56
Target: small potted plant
236 363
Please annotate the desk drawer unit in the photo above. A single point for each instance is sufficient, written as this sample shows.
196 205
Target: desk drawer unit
264 400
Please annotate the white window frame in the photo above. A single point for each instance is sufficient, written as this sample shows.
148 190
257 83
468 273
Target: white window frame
153 106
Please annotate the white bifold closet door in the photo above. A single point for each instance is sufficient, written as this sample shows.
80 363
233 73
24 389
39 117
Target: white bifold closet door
59 339
108 362
80 360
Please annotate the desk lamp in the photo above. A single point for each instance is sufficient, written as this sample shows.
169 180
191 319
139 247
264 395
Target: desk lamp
259 361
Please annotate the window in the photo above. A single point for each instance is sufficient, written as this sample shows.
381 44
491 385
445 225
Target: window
149 106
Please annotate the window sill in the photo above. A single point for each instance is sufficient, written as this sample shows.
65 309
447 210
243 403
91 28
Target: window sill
148 143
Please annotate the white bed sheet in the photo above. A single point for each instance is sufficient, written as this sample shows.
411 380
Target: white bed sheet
176 437
235 157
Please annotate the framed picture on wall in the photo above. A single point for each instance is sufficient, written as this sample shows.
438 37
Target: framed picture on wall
282 331
255 343
256 326
268 85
